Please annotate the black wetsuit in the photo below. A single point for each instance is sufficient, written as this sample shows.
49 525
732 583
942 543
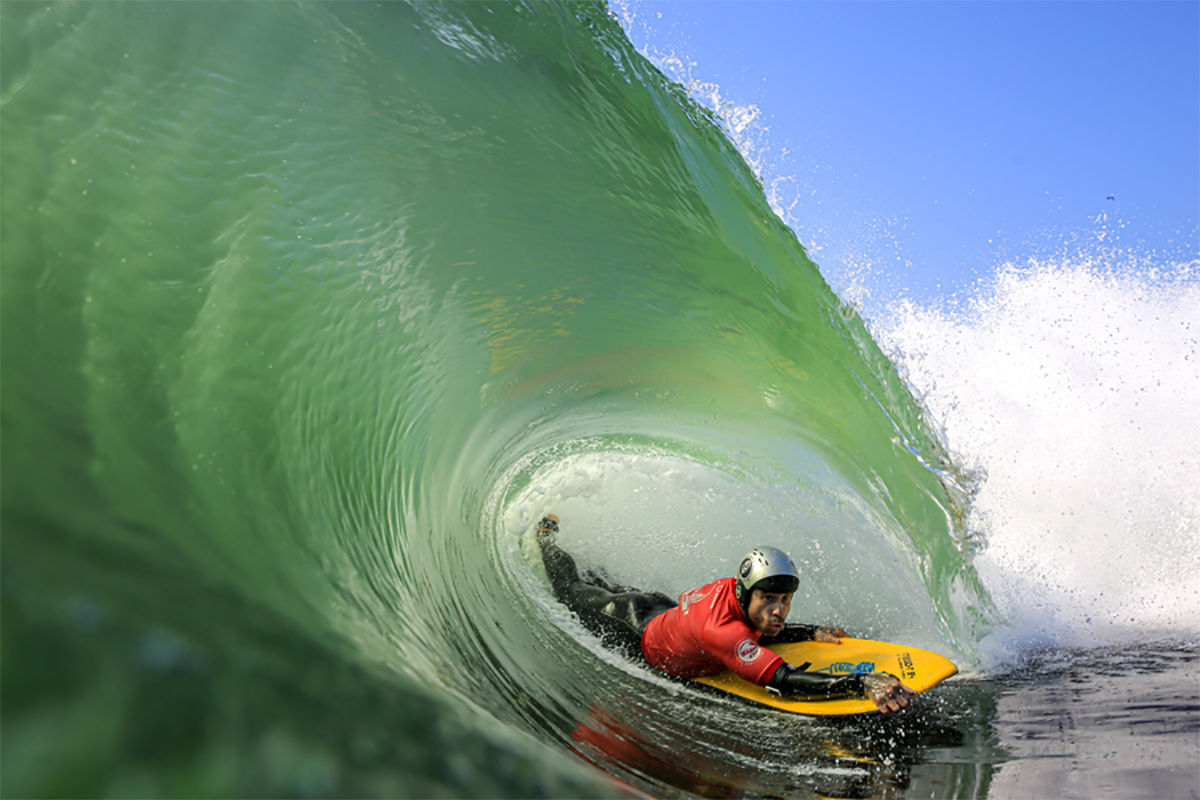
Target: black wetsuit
614 613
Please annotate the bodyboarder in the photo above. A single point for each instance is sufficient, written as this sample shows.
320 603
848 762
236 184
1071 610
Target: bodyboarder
722 625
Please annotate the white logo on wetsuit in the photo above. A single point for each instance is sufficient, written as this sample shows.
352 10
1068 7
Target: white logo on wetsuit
748 650
694 596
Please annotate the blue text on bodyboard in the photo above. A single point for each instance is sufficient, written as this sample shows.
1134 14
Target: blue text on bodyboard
846 668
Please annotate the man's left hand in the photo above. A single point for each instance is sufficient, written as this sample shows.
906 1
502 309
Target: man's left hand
829 635
887 693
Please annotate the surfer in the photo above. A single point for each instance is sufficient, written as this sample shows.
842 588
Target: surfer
721 625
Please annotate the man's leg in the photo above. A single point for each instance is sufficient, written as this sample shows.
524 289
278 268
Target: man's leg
617 617
645 606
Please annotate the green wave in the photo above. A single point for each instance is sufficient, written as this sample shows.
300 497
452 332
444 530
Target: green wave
309 309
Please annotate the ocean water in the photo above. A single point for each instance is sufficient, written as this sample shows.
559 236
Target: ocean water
309 311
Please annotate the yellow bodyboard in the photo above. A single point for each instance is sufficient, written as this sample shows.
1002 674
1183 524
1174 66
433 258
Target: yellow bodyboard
917 669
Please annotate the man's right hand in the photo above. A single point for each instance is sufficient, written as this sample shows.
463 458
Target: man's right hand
886 692
829 635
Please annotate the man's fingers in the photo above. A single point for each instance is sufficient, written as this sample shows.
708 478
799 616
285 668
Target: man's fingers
829 635
895 697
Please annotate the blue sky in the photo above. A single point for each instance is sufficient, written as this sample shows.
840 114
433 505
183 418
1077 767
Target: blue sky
929 142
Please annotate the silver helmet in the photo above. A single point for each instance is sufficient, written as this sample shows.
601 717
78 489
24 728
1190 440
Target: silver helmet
765 568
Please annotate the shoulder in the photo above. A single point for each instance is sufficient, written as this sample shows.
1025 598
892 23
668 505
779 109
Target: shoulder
708 594
727 613
723 588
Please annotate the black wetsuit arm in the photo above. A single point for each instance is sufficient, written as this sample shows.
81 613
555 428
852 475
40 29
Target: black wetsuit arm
791 633
788 680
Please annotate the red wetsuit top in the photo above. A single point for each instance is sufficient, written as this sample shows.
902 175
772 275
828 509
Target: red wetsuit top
705 634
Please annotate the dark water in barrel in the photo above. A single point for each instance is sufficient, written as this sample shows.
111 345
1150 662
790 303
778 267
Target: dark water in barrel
309 311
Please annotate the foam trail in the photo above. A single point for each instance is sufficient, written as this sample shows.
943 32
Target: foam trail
1073 385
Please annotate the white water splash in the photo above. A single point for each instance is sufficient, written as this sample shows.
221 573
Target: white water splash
1075 387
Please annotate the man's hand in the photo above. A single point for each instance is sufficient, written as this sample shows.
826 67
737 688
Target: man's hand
886 692
829 635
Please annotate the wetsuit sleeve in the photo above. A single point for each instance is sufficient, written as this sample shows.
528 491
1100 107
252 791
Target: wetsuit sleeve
791 633
789 681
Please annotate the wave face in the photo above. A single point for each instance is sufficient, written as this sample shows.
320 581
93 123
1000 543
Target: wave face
309 311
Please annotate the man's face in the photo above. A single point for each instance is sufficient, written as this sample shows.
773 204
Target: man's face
768 610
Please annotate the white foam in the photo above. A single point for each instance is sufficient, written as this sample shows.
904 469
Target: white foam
1076 388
